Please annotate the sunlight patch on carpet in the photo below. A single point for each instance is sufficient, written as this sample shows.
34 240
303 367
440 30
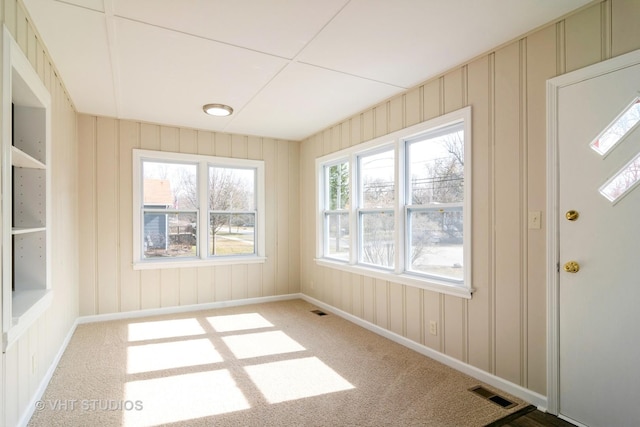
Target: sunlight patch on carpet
164 329
170 355
296 379
183 397
238 322
260 344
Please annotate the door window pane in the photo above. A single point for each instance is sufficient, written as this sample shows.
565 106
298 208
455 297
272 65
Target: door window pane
618 128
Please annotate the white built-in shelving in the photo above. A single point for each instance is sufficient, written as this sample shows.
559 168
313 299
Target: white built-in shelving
26 189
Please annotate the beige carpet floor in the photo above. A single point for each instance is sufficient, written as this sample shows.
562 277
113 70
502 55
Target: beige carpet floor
273 364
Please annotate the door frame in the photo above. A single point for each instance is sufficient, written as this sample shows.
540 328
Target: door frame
554 86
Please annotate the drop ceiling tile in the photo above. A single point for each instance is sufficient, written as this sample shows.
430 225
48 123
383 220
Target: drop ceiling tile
304 99
77 40
405 42
167 76
277 27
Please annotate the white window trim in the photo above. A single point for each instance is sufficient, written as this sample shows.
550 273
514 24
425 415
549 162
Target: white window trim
398 275
203 165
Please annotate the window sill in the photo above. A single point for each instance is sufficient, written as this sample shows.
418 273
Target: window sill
197 262
403 279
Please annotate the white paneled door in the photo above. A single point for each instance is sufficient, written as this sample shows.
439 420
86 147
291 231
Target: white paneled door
598 207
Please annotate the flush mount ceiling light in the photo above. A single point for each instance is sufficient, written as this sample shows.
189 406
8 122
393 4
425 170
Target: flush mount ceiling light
219 110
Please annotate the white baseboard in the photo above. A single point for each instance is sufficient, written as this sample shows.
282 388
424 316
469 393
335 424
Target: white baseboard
514 389
42 387
183 308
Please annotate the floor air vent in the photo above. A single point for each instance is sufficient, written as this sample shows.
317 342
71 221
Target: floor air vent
319 312
489 395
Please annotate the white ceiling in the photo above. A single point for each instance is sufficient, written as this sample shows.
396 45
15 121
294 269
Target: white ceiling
289 68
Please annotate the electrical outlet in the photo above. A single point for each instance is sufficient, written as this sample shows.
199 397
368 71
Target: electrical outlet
433 327
33 364
313 285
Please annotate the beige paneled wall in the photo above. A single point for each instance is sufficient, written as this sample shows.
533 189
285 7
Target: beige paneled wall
108 282
502 329
26 362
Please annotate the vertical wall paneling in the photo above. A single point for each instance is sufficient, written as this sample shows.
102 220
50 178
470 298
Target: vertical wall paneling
381 119
413 106
479 337
396 308
26 362
188 293
239 147
10 15
188 141
222 144
345 134
282 219
368 300
129 279
293 216
413 314
205 284
605 25
87 225
107 180
269 150
169 287
368 124
356 129
239 282
356 296
381 301
625 31
205 143
508 213
539 46
431 100
431 310
524 207
583 38
396 113
453 90
21 28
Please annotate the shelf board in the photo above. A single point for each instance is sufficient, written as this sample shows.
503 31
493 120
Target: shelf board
27 230
21 159
26 308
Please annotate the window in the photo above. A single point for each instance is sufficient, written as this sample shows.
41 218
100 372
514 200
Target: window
191 209
409 221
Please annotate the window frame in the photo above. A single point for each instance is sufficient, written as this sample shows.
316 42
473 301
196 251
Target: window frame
402 207
203 257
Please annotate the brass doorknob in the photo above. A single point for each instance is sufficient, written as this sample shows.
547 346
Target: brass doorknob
572 267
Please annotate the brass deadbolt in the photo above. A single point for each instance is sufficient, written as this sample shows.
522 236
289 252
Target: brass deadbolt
572 215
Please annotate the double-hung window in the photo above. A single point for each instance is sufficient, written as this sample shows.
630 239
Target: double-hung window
399 207
193 210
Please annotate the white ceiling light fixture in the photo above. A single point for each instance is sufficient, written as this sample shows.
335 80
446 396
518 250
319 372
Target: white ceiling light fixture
219 110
